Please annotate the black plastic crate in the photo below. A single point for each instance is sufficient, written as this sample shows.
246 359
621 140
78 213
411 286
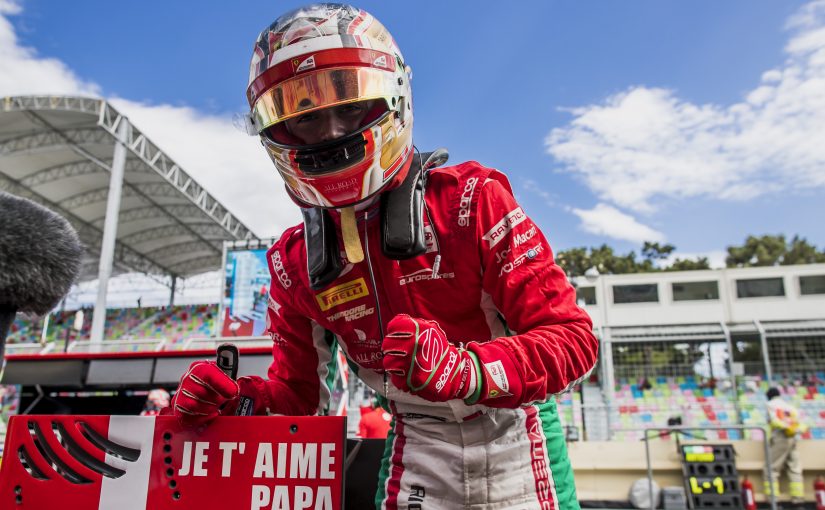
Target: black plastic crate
717 501
710 475
722 469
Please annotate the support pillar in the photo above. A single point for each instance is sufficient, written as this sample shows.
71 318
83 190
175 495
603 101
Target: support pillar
733 382
172 292
766 358
107 248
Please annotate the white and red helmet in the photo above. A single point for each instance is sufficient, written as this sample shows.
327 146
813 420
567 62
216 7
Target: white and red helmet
321 56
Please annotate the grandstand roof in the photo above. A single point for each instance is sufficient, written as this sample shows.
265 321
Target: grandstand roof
58 150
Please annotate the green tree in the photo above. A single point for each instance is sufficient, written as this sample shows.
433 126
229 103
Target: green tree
656 251
688 264
773 250
799 251
574 261
766 250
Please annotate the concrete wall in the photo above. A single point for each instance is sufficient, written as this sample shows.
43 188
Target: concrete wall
606 470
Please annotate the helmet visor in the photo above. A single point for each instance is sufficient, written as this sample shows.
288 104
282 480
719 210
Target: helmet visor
321 89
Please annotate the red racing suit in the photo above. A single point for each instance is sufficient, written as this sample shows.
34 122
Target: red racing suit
496 284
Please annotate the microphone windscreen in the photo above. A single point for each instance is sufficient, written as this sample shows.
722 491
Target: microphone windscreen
40 256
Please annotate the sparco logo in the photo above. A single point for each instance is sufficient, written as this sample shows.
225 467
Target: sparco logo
448 369
429 350
504 226
280 272
466 200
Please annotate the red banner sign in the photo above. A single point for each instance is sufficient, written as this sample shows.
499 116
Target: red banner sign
151 463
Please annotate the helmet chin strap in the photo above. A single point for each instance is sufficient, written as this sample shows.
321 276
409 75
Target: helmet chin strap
402 225
349 231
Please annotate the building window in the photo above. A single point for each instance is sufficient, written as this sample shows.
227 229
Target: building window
695 291
760 287
647 293
812 284
586 295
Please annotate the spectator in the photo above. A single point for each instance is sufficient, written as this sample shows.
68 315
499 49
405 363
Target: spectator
784 426
155 401
375 422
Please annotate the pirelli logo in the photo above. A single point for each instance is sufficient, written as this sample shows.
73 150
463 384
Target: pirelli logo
341 294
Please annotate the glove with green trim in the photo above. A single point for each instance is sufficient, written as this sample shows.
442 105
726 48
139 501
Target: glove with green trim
420 360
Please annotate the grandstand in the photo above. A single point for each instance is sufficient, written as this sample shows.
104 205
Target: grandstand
134 208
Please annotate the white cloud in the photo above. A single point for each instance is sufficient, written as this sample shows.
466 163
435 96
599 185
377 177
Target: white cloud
229 163
608 221
23 72
535 188
232 166
646 145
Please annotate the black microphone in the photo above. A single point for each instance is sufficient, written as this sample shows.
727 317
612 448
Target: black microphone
40 256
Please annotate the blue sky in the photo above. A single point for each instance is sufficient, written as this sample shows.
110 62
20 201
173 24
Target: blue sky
694 123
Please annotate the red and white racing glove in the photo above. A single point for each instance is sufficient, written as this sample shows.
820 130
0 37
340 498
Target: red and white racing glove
420 360
206 392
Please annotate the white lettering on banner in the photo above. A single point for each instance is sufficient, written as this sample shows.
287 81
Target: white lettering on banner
352 314
278 498
327 449
465 202
187 452
304 461
301 456
227 448
521 259
281 460
504 226
280 272
422 275
200 458
263 462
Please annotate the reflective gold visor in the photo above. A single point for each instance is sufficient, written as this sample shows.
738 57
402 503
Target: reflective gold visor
320 89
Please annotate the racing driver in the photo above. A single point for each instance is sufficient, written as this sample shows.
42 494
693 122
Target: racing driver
440 290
